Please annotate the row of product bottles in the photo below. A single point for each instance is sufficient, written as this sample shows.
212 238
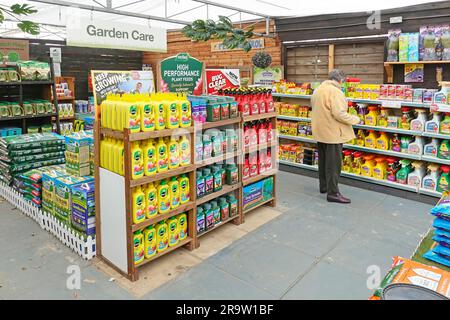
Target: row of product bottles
158 237
214 212
212 178
251 101
299 153
153 156
258 132
210 108
256 163
144 112
416 121
406 144
294 128
159 198
214 143
404 171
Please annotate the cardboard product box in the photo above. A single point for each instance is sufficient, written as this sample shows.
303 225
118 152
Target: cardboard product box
48 188
83 208
83 157
78 170
63 195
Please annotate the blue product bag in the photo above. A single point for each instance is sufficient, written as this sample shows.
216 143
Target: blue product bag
441 224
430 255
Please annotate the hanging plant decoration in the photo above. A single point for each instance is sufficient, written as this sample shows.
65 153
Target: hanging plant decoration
204 30
262 59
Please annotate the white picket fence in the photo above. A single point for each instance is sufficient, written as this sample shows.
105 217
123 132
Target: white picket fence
85 247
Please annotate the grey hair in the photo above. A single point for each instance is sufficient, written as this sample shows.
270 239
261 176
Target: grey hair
337 75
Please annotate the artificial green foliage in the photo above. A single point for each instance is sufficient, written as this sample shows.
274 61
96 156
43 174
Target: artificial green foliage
16 11
204 30
262 59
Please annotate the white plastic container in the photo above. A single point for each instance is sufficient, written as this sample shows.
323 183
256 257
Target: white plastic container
433 125
416 147
416 176
431 149
418 124
429 182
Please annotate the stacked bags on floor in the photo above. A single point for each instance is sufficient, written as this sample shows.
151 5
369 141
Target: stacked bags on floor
19 154
440 252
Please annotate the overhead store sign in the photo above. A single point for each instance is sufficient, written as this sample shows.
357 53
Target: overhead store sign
181 73
267 76
254 43
217 79
106 82
85 32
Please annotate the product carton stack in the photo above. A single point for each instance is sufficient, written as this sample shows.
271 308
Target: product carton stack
19 154
83 208
78 154
440 252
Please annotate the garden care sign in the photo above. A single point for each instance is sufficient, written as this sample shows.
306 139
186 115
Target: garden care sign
267 76
119 82
217 79
96 33
181 73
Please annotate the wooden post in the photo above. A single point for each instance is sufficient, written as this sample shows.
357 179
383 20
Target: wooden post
192 215
389 68
97 138
330 57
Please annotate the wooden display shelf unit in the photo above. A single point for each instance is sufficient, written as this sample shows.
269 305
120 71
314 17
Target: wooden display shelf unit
226 189
389 67
140 136
260 116
216 124
259 177
114 203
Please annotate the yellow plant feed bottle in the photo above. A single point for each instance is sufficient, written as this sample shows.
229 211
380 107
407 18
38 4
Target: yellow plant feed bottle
185 151
113 115
174 187
162 156
151 197
163 197
132 116
160 117
182 226
119 113
172 114
117 156
102 152
138 243
147 115
137 161
150 167
104 113
150 242
185 192
162 238
174 154
185 113
121 159
172 226
138 207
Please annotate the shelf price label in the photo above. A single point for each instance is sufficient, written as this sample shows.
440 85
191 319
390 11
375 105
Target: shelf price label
391 104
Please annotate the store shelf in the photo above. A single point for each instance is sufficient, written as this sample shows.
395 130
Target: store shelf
209 125
435 160
162 175
297 138
160 217
387 129
384 152
30 117
387 63
386 183
260 116
225 190
432 193
259 205
23 83
66 99
261 176
219 159
221 223
436 135
67 118
146 135
299 165
295 96
168 250
259 147
281 117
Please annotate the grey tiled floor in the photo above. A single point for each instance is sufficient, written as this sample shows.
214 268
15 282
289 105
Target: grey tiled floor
313 250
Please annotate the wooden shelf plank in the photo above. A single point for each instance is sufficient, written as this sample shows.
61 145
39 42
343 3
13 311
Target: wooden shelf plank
260 116
160 217
168 250
261 176
112 133
160 133
162 175
34 116
218 225
209 125
225 190
259 205
218 159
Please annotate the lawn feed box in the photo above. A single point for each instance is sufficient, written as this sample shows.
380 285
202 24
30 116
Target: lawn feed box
48 189
258 192
63 195
83 208
78 147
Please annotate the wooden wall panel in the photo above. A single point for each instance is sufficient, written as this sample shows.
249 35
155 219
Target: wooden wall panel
307 64
177 43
